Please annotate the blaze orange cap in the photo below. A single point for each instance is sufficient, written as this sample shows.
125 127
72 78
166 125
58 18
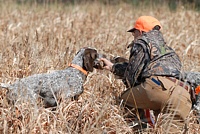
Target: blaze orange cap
145 23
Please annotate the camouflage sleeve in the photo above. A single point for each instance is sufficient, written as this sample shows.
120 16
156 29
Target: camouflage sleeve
119 69
137 61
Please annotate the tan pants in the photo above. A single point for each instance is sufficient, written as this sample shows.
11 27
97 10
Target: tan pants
159 93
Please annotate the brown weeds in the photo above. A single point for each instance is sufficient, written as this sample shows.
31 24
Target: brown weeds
40 39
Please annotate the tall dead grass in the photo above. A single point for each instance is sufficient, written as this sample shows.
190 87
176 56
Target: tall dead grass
36 39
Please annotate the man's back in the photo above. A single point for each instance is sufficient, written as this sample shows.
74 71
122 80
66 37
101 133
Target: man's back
163 61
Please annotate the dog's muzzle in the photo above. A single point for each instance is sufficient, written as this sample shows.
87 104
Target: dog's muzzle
98 64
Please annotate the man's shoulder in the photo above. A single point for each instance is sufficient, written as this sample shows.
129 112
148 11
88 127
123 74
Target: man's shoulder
153 32
146 36
142 41
153 35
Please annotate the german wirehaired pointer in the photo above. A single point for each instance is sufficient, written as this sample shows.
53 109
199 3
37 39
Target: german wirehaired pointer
48 86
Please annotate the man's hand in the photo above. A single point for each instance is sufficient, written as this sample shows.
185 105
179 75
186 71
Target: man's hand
107 64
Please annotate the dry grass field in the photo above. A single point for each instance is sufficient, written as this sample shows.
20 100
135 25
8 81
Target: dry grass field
37 39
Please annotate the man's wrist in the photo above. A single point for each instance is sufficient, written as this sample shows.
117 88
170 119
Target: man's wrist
112 68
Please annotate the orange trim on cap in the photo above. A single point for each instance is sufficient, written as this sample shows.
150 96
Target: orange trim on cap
197 90
79 68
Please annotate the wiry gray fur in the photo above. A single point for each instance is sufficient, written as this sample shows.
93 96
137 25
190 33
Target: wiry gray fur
194 80
192 77
69 82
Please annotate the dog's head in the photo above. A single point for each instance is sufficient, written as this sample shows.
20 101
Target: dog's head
91 59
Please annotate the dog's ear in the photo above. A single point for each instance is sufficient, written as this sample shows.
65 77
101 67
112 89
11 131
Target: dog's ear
88 59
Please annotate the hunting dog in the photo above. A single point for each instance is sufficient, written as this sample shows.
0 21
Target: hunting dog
49 86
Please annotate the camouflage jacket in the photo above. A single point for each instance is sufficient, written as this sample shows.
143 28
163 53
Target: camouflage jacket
149 56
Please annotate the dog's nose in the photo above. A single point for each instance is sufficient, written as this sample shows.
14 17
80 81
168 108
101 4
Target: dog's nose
98 64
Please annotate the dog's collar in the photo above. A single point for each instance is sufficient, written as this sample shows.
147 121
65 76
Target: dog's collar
79 68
